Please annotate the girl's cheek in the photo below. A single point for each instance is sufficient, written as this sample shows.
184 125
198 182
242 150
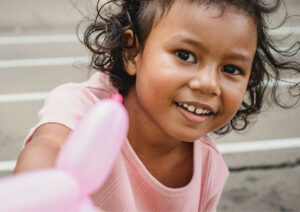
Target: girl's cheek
234 95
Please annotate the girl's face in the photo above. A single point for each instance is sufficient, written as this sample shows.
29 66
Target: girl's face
193 72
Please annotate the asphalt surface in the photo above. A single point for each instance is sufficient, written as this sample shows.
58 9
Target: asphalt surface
260 180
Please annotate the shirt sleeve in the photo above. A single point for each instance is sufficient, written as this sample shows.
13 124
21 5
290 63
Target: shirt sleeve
67 103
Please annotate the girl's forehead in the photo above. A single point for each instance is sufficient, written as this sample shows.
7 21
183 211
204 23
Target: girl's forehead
216 7
215 10
187 15
209 24
188 10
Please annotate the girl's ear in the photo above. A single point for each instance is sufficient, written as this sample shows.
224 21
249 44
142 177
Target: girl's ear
130 52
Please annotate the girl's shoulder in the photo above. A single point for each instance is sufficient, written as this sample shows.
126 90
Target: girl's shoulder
214 172
212 161
99 82
96 87
207 143
74 99
67 103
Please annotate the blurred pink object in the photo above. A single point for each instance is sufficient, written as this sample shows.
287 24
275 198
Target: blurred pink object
89 153
82 165
118 98
45 190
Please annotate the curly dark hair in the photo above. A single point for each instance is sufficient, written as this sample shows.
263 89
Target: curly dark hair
104 38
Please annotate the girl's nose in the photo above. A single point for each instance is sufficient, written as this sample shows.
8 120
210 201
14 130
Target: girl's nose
206 81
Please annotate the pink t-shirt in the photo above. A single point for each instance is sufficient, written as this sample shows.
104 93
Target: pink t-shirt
130 187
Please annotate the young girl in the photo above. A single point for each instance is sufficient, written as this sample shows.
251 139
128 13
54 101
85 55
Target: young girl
184 68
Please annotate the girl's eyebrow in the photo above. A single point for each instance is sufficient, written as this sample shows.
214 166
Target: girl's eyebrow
184 39
234 56
238 56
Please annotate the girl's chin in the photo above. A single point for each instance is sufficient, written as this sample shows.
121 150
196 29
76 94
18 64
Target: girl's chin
189 137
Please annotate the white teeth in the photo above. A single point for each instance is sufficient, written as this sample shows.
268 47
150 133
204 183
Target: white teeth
201 111
193 109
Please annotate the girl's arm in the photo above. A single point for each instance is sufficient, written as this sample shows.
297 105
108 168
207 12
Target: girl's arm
42 150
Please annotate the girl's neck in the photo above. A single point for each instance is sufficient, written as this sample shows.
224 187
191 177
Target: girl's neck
160 153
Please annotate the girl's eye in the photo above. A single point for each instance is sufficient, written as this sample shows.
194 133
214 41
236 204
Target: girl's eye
231 69
186 56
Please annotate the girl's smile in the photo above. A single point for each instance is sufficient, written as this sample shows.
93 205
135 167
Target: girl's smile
192 73
194 111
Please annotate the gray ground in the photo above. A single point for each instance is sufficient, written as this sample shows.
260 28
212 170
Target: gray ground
273 184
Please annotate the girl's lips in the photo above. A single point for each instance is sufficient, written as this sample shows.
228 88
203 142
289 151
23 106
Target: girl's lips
192 117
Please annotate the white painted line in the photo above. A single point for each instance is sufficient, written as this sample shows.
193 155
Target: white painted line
7 165
38 39
21 97
42 62
259 145
223 148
